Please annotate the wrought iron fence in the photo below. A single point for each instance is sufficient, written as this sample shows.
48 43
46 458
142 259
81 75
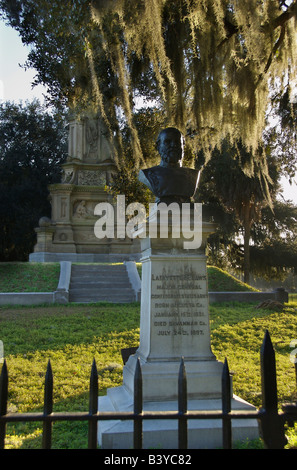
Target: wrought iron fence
271 420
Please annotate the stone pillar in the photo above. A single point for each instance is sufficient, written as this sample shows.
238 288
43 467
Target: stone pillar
174 323
174 319
281 295
44 232
76 141
44 238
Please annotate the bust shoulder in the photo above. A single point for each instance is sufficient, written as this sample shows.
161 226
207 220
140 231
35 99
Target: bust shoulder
166 182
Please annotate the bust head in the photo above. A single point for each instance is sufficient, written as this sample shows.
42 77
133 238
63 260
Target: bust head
170 145
169 181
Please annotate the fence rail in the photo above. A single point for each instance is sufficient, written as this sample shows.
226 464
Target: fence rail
271 420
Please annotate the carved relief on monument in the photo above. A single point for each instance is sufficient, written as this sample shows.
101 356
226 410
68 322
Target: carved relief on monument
83 209
89 141
91 178
98 146
68 176
63 237
85 237
92 140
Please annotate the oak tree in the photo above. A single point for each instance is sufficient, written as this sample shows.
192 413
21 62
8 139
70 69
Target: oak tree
208 63
33 145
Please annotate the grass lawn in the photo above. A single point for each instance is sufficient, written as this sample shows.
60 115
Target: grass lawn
220 281
44 277
72 335
29 277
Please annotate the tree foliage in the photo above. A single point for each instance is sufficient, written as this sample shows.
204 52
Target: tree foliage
275 249
254 235
207 62
148 122
32 148
239 193
281 136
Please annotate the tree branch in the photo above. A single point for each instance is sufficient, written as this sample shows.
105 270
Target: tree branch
275 48
283 18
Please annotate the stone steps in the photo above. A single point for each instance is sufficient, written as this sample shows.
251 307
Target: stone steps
97 282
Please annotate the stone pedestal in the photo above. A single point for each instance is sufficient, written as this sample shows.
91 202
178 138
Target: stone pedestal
85 176
174 323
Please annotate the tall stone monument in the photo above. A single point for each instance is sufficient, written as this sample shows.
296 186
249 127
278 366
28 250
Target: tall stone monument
69 235
174 321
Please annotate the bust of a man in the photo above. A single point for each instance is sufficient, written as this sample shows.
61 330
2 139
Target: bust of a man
169 181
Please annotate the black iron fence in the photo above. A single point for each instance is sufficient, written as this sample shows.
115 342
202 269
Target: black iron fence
271 420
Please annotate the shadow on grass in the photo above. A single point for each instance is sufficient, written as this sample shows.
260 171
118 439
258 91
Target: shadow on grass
29 330
72 435
65 434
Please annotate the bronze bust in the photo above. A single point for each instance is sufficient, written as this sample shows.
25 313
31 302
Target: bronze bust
169 181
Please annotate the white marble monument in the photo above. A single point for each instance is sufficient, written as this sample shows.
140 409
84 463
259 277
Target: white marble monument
174 319
85 176
174 323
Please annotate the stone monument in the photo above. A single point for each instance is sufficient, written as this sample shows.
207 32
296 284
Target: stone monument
174 323
89 168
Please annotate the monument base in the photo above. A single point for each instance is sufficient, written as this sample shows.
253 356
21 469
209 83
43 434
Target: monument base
160 378
163 433
48 257
174 324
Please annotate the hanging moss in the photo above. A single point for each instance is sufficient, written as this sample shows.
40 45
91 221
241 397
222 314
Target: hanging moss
207 62
211 59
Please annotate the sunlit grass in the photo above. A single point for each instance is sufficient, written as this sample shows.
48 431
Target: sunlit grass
71 336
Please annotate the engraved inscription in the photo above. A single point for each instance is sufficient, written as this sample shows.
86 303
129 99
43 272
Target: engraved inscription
180 304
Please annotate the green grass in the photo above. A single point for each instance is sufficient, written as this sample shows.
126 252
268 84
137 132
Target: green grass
44 277
220 281
72 335
29 277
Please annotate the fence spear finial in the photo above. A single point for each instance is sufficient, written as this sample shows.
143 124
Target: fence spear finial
271 423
